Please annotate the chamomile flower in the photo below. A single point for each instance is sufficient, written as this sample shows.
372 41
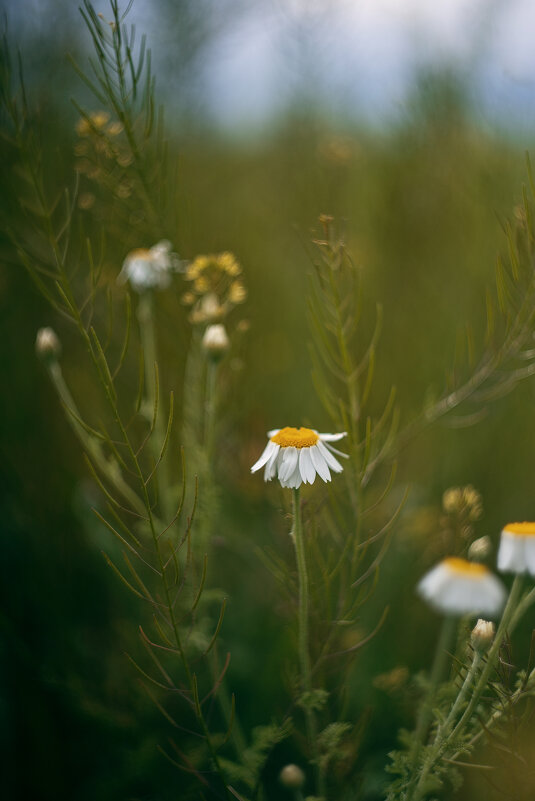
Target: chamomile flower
516 553
296 455
149 268
458 587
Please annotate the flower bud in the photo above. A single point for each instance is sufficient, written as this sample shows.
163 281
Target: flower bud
482 635
47 344
480 549
292 776
215 340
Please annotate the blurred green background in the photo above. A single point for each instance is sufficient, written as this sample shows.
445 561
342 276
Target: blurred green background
422 201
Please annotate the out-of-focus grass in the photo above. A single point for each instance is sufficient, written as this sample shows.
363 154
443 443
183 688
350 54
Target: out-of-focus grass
422 207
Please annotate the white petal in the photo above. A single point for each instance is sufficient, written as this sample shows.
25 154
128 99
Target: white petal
529 551
319 463
290 458
459 595
294 480
511 553
271 466
306 466
273 432
333 463
332 437
335 450
266 454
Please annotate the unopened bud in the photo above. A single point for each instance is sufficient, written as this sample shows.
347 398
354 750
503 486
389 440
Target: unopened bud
480 549
482 635
292 776
215 340
47 344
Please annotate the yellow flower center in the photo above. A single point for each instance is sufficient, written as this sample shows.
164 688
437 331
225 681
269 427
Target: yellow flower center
295 437
465 568
520 529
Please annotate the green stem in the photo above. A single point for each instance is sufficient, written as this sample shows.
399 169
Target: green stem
91 445
153 395
303 640
492 657
445 728
438 670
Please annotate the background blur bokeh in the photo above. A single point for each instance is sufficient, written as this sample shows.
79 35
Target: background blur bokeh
409 128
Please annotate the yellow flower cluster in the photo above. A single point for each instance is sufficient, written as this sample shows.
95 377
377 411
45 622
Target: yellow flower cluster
216 287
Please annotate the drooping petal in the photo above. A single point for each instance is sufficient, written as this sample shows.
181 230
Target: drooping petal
332 437
271 467
294 480
289 461
333 463
319 463
335 450
306 466
266 454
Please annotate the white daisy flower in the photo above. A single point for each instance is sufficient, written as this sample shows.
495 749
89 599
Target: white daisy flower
458 587
516 553
295 455
149 268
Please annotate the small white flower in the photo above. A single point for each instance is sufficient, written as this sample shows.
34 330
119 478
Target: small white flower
149 268
215 340
47 344
458 587
516 553
295 455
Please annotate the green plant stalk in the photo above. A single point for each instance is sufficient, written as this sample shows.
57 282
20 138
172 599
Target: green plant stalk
303 640
492 657
93 447
444 729
440 661
152 524
438 670
209 427
509 616
147 331
210 407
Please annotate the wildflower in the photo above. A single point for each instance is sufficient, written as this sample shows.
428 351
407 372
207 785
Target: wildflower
292 776
149 268
295 455
458 587
215 286
482 635
47 344
516 553
215 340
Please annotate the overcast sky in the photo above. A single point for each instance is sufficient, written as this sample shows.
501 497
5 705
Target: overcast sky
357 57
